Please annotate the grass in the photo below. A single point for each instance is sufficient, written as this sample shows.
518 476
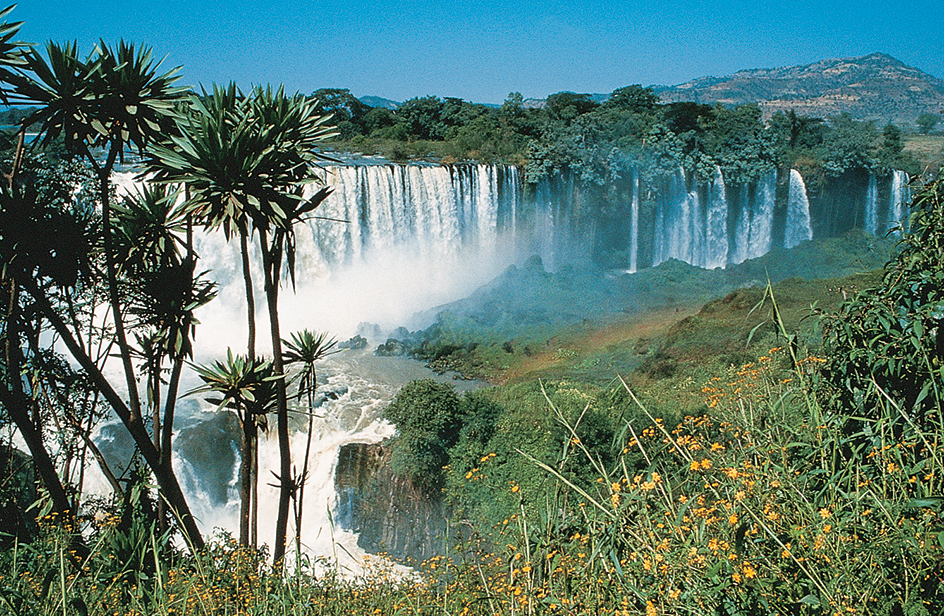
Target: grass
928 149
747 508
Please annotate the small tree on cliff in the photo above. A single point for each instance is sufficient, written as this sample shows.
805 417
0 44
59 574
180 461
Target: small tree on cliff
428 418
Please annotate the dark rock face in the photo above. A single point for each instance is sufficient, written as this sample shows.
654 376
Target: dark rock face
211 447
391 515
357 342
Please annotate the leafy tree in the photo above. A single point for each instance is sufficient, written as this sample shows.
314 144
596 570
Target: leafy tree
687 117
377 119
927 121
892 142
428 418
346 110
568 105
633 98
849 145
798 131
422 117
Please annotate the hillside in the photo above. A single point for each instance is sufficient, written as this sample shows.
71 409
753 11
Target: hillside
873 87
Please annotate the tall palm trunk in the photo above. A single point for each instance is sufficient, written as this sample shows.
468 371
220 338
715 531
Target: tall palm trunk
250 497
272 262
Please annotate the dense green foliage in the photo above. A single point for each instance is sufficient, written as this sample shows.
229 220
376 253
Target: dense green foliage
886 346
599 141
432 420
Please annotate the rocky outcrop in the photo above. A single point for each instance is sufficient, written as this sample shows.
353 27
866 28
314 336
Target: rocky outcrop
390 514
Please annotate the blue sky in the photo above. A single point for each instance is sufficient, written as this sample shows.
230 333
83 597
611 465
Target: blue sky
481 50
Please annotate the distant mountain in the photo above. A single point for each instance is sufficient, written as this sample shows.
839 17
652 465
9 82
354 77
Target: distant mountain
873 87
376 101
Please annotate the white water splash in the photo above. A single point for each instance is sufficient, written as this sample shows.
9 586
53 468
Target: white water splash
798 212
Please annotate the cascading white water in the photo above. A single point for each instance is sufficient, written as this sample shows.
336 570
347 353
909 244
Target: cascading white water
871 205
798 212
762 216
408 231
677 229
634 224
716 236
392 240
742 230
899 199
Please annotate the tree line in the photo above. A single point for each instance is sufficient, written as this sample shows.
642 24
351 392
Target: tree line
599 140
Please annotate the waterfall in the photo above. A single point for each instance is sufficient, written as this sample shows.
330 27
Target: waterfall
424 209
716 236
899 200
762 216
677 234
634 224
392 240
871 206
798 212
742 229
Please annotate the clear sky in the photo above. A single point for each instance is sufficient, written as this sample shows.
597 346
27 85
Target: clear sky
480 50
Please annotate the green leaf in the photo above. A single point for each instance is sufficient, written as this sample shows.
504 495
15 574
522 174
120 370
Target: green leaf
933 502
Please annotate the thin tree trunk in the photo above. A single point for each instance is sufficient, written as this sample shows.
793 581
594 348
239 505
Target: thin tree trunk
167 431
133 422
17 404
254 502
304 478
253 493
250 297
245 473
124 349
271 263
97 454
154 375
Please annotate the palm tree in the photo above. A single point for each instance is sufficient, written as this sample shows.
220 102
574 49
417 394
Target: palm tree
112 100
294 126
306 348
215 156
246 162
154 257
245 386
